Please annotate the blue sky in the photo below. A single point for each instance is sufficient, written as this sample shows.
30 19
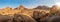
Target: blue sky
26 3
10 3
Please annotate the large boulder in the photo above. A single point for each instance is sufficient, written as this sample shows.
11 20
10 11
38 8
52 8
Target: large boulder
39 15
23 18
6 18
54 18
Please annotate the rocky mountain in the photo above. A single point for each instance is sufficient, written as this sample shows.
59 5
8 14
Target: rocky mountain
7 9
42 7
21 7
21 10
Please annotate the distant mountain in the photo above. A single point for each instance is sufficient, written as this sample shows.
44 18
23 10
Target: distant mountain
21 10
7 9
42 7
20 7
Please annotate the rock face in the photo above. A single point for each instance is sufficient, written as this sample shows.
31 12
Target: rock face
6 18
22 10
22 14
16 18
53 9
55 18
39 15
23 18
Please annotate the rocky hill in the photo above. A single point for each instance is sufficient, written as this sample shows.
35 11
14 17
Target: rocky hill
22 10
42 7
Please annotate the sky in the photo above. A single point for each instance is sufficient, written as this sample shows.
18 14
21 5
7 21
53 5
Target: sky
10 3
26 3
